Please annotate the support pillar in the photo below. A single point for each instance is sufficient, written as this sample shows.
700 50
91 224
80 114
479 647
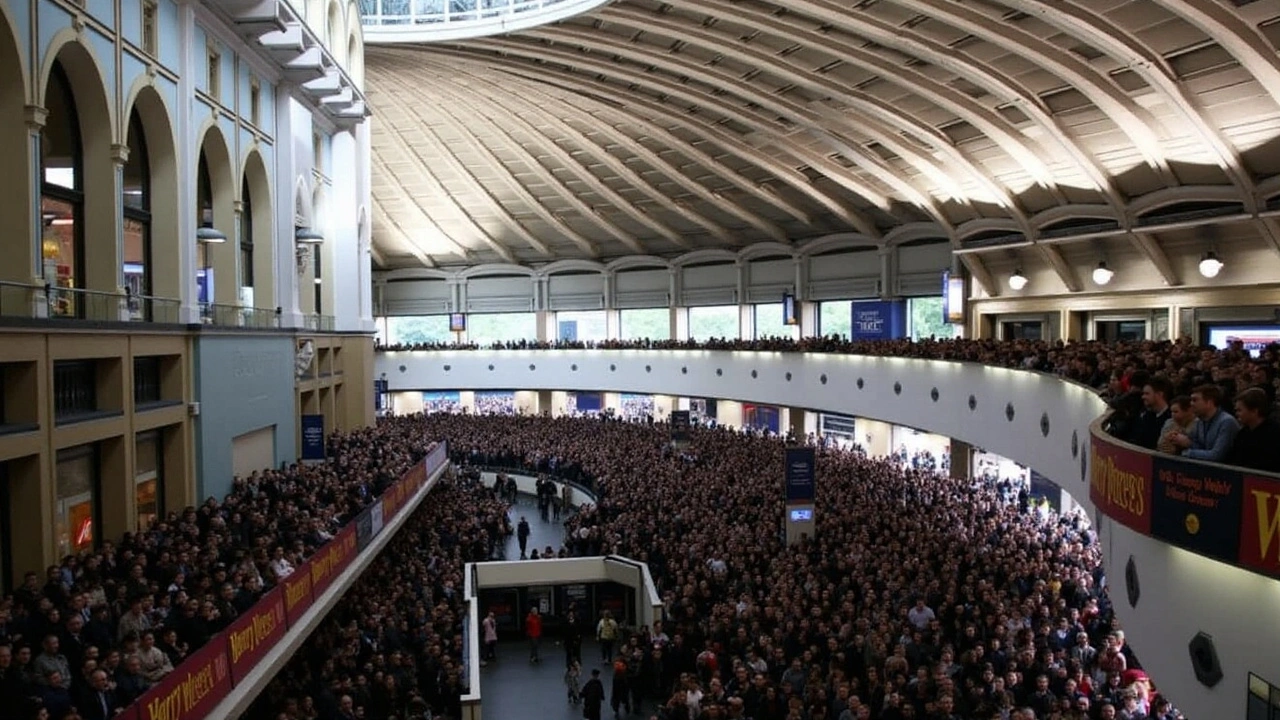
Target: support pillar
679 323
961 460
546 326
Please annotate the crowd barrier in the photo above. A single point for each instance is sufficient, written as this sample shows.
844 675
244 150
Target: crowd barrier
1225 513
195 687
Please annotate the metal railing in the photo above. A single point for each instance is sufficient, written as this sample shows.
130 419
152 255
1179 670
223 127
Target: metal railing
441 20
236 316
26 300
322 323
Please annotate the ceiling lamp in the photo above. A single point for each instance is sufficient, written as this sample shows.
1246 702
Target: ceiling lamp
1210 265
210 234
1102 274
1017 280
307 236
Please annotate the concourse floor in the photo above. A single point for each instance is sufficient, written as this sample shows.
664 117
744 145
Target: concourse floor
515 689
541 534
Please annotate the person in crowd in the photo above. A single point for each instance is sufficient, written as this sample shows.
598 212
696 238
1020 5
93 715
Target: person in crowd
533 631
606 635
572 678
1214 431
522 536
593 696
1155 412
1181 419
490 629
1257 443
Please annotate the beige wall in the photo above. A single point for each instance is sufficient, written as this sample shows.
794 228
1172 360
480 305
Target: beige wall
31 457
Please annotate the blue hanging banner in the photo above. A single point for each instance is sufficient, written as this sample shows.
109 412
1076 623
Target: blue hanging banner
800 471
380 394
568 330
680 426
879 319
313 437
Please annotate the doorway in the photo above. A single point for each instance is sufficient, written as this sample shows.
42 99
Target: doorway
1112 331
1022 330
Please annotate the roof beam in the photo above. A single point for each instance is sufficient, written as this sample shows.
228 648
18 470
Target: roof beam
1061 267
519 62
1147 244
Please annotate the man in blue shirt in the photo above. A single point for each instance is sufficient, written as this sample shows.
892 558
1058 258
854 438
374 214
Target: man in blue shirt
1214 431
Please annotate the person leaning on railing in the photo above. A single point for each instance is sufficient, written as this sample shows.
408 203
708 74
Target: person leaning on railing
1257 443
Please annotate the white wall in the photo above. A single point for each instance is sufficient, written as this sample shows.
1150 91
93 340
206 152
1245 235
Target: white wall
1182 594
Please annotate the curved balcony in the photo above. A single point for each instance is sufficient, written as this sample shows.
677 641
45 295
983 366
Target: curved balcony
1191 593
424 21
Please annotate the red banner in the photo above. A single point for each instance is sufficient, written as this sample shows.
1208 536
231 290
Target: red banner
193 689
297 593
332 559
1120 485
255 632
1260 525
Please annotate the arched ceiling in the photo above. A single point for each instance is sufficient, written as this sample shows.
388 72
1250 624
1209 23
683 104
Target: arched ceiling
647 127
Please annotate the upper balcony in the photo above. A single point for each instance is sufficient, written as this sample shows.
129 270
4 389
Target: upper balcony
422 21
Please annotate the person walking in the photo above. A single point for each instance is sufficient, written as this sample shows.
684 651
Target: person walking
606 635
522 536
572 640
533 629
571 682
620 692
592 696
490 626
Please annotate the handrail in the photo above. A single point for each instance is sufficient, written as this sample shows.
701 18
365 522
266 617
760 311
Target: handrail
199 684
1225 513
322 323
589 489
236 316
27 300
417 21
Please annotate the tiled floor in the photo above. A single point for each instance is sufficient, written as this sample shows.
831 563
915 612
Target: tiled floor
541 534
514 689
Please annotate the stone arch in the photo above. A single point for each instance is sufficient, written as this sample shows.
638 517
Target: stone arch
323 252
257 182
221 257
336 32
97 123
355 46
162 156
302 210
17 255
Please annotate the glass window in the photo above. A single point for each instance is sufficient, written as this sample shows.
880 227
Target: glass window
926 319
148 478
769 322
835 317
413 329
77 502
204 211
137 219
586 326
246 236
61 195
645 323
716 321
489 328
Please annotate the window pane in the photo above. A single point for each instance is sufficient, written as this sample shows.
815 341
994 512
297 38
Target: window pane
717 321
645 323
136 251
927 320
148 477
76 501
835 317
489 328
769 322
60 138
60 248
586 325
418 329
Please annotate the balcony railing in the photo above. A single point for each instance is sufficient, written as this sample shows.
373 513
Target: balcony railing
322 323
24 300
236 316
426 20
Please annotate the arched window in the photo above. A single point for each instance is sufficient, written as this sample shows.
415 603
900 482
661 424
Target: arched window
136 198
246 236
204 208
62 196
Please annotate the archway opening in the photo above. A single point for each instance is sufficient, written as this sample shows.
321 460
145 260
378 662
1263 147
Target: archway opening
62 202
17 263
257 248
139 270
150 127
216 279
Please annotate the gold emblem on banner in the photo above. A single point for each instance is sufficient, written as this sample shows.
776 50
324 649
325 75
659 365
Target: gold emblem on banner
1192 523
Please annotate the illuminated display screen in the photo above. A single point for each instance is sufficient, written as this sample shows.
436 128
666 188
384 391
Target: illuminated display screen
802 515
1255 337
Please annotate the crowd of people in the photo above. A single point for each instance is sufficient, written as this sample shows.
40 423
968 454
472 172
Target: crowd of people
393 646
920 596
1178 397
1017 615
104 625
